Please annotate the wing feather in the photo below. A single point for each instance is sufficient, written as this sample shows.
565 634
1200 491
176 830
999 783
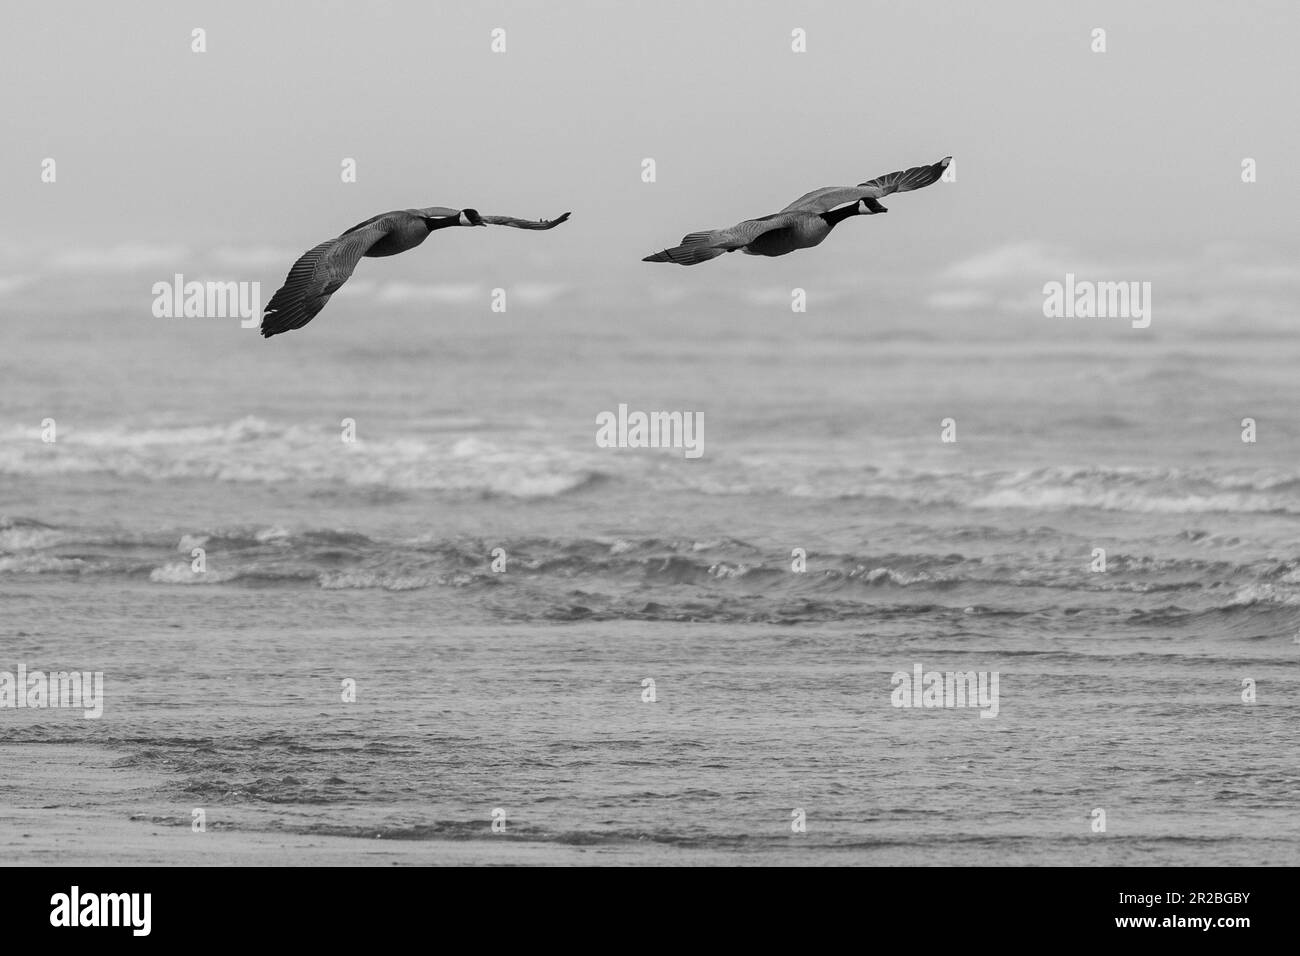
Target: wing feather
524 223
697 247
903 180
316 276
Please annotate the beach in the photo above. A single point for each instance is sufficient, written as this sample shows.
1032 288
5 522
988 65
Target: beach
825 541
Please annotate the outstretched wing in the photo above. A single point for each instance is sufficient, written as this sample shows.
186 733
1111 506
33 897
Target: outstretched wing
315 277
524 223
904 180
697 247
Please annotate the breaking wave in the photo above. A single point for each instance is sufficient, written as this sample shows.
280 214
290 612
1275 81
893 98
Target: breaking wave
666 579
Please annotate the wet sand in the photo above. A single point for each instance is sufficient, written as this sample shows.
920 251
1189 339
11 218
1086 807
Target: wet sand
37 829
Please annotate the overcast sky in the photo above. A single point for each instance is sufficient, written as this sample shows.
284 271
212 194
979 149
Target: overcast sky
240 147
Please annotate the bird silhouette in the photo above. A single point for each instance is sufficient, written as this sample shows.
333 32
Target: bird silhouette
320 271
802 224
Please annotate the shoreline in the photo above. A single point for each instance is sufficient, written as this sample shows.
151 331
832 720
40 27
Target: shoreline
99 831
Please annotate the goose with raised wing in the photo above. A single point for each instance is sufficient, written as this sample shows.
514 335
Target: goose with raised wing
802 224
320 271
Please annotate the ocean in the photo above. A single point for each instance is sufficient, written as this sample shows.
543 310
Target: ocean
827 539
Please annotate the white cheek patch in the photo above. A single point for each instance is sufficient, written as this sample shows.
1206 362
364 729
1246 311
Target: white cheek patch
464 219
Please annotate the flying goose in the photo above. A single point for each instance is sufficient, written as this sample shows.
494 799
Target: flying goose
802 224
318 274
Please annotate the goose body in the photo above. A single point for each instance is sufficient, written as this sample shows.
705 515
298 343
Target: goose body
797 232
804 223
323 269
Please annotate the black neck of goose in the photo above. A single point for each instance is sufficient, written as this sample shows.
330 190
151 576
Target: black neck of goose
441 222
835 215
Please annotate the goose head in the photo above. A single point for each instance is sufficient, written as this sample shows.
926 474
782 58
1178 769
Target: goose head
470 217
